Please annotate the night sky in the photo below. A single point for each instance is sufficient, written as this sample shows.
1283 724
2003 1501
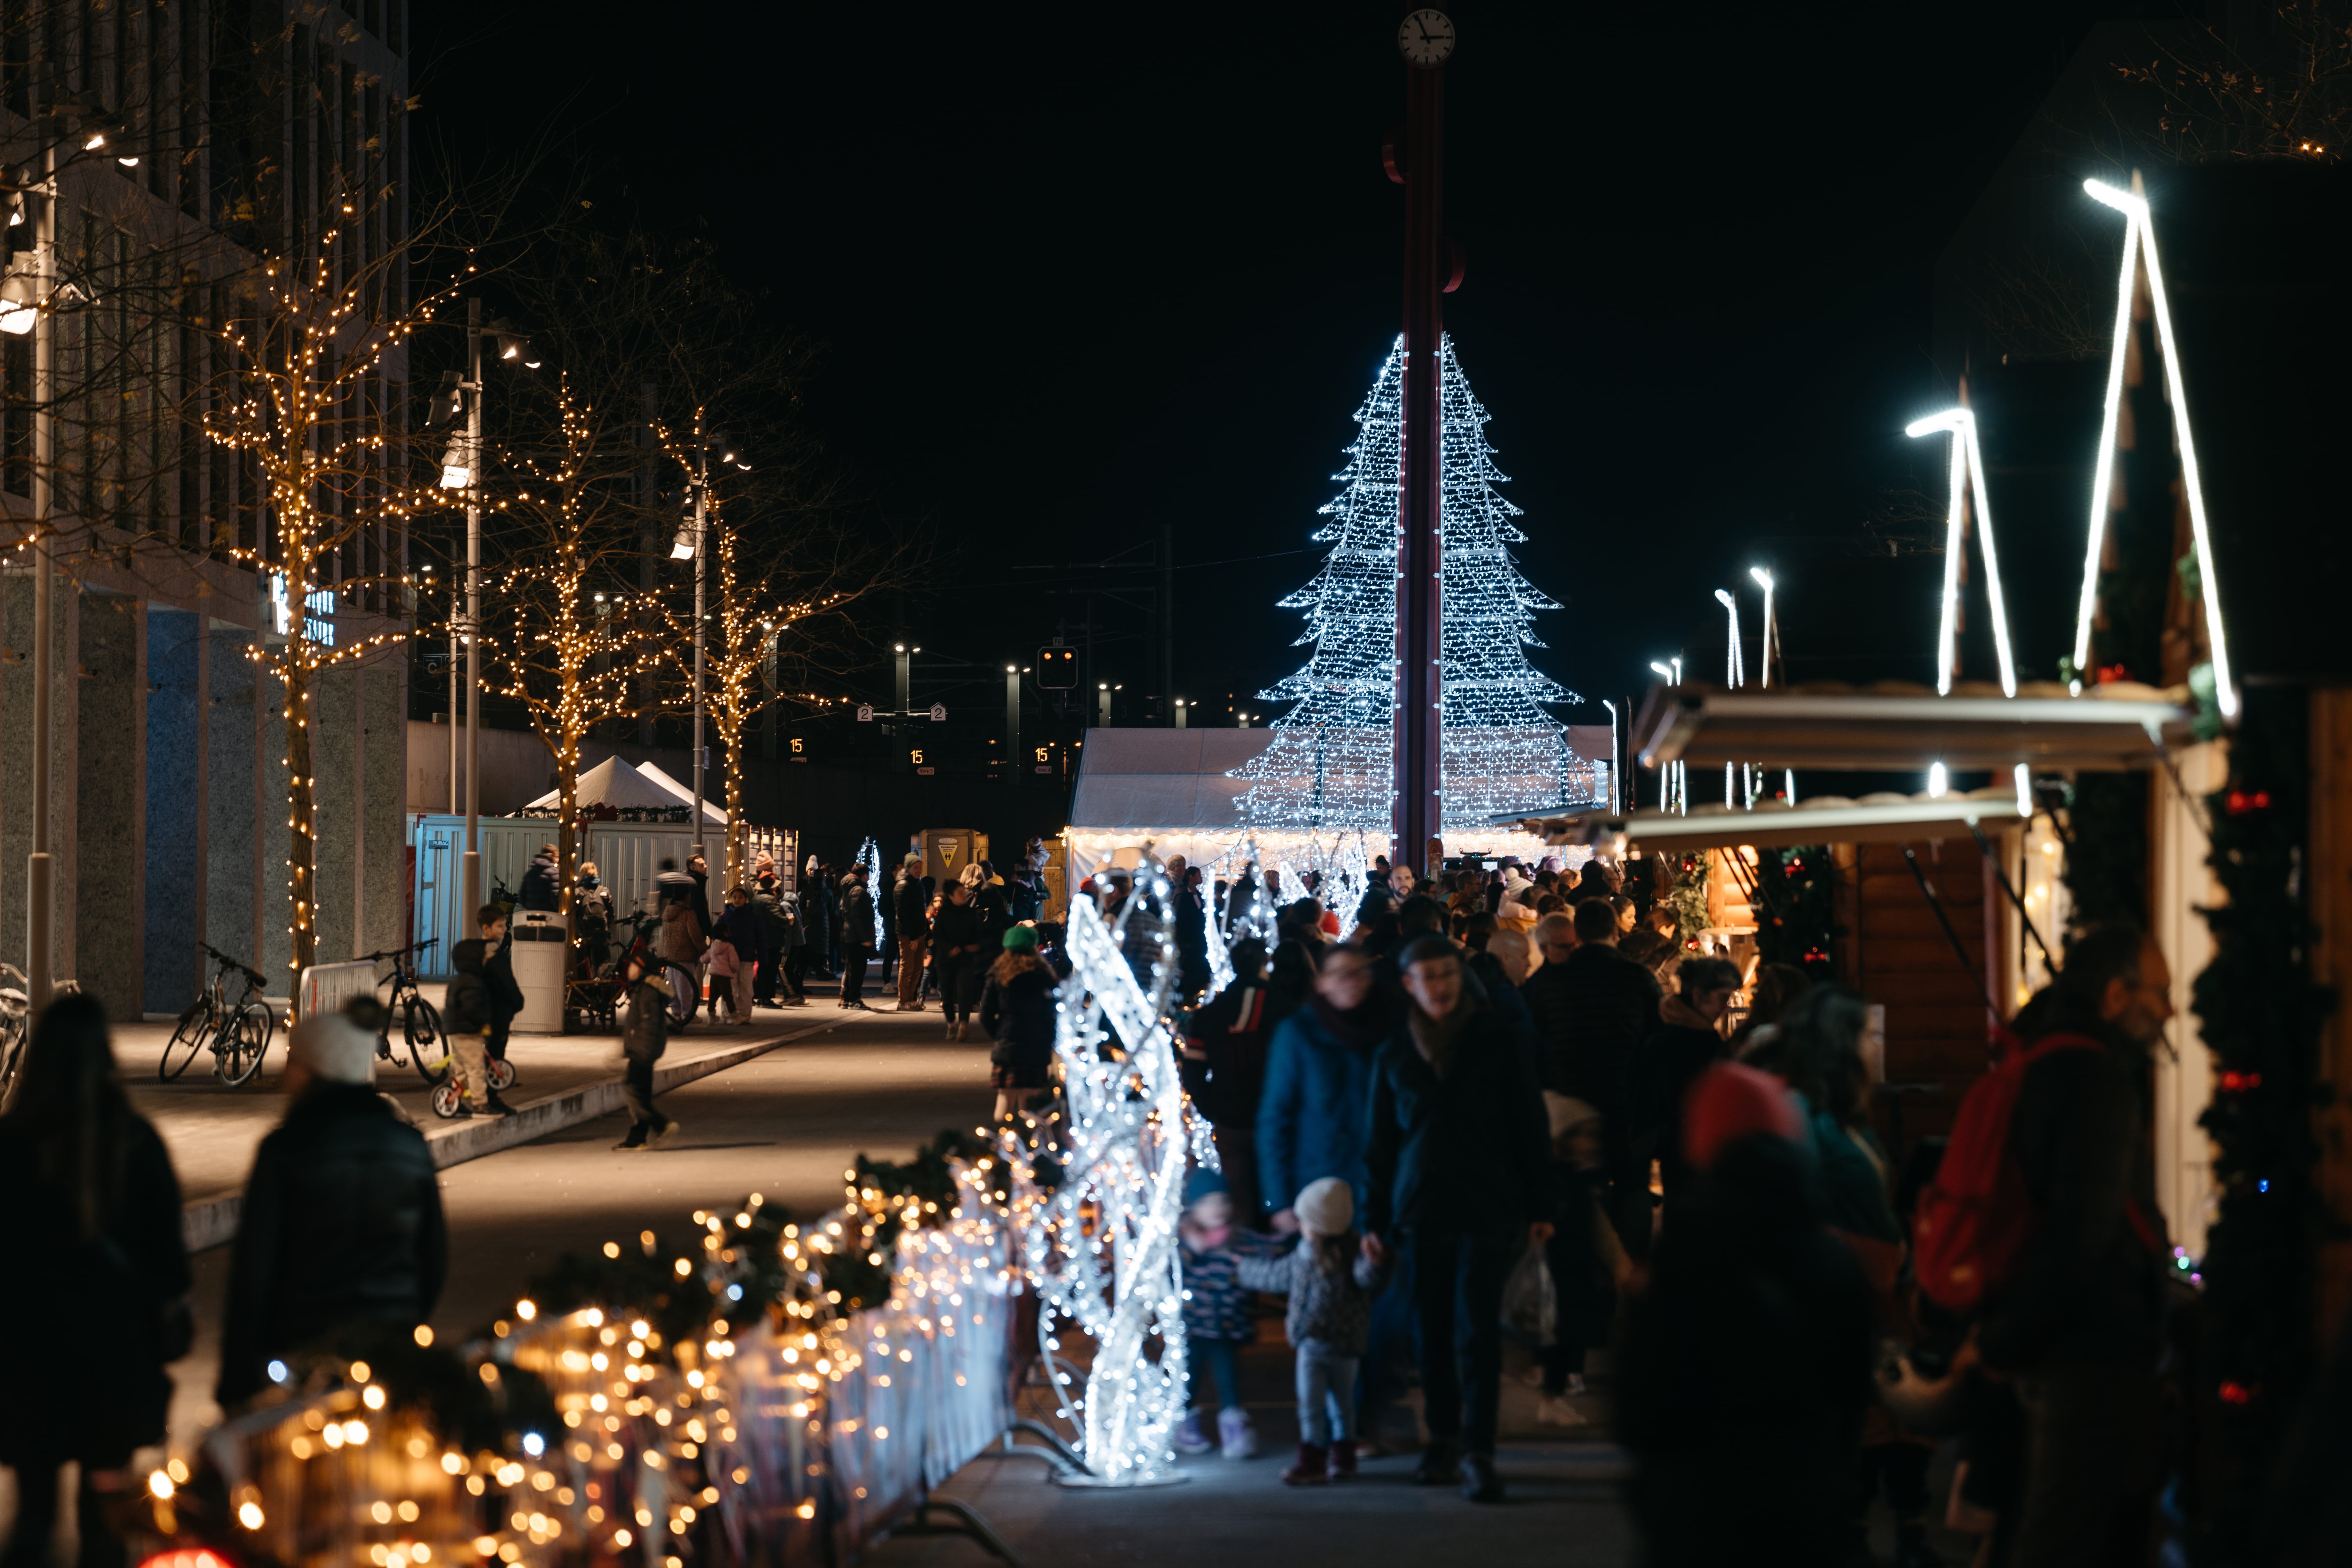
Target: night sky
1078 274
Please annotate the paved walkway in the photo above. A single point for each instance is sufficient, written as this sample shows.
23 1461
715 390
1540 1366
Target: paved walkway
212 1129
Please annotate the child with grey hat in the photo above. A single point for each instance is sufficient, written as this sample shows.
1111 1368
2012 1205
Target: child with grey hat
1331 1284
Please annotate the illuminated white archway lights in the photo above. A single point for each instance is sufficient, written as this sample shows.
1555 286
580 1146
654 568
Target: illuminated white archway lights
2139 250
1967 475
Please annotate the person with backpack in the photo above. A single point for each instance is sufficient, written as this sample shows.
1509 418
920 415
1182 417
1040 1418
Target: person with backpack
91 1232
2042 1218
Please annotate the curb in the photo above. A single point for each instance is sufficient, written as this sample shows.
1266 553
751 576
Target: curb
212 1222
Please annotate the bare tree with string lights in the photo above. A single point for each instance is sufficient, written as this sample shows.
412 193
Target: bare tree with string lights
573 642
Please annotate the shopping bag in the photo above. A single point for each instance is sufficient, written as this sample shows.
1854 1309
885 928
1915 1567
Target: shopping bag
1531 1304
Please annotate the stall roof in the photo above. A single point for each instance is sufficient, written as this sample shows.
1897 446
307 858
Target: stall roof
1895 726
1885 818
679 794
615 783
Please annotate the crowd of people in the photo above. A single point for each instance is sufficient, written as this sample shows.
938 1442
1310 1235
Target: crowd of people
1503 1062
1787 1321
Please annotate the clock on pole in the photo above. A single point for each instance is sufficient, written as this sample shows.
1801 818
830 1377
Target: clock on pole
1425 38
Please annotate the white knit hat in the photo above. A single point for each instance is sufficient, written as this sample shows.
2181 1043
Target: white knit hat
1327 1207
333 1048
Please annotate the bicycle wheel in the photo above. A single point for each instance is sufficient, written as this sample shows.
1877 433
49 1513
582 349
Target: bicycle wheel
428 1048
686 996
244 1043
444 1099
12 1054
499 1074
195 1029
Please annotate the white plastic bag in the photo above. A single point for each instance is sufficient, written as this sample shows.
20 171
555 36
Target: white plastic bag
1531 1304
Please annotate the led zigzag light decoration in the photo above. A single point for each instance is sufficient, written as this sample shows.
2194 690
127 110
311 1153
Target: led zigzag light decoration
1101 1249
2139 250
1331 762
870 857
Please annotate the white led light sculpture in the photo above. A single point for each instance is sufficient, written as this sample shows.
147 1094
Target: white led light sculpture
2139 250
1967 477
1101 1249
870 857
1329 764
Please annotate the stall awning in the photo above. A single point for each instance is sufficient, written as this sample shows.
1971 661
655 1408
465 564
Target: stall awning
1886 818
1898 727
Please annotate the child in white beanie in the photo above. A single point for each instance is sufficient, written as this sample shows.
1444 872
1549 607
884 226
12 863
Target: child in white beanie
1330 1285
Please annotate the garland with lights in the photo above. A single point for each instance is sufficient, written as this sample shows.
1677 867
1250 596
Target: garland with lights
735 1406
1331 762
2261 1016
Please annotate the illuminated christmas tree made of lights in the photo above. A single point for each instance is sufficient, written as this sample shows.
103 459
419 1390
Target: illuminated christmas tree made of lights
1329 765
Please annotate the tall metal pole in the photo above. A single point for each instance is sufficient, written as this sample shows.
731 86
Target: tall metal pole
452 701
1167 625
473 614
40 873
701 556
1417 811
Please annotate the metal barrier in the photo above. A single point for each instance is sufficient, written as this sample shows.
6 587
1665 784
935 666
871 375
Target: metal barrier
324 988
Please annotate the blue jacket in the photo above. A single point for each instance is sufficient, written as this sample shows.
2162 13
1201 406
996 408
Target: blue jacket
1313 1111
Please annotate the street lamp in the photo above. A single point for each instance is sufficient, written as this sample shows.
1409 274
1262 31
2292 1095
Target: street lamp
461 470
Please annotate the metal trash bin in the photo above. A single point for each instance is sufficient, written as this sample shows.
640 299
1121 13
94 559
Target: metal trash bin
539 949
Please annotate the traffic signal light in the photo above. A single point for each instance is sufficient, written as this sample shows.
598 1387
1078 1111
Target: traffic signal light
1057 668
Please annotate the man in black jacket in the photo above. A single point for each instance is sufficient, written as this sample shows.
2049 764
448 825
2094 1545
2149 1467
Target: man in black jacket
2079 1323
472 1015
1459 1160
1592 1009
912 927
342 1224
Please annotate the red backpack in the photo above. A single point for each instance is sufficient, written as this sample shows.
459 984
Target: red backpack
1975 1217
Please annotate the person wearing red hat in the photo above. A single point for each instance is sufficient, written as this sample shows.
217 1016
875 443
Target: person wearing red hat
1746 1367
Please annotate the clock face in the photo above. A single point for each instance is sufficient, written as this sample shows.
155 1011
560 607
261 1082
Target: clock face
1425 39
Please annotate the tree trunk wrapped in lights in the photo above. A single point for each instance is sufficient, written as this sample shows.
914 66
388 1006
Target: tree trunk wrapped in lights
571 641
300 400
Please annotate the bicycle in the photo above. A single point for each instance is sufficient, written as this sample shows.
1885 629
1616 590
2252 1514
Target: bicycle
239 1032
15 1028
420 1022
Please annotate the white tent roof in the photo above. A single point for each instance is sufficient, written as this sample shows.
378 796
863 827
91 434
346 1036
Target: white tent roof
680 794
615 783
1176 779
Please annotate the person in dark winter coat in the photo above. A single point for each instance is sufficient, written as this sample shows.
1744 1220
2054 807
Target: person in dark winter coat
911 925
1684 1044
1460 1164
787 948
1746 1366
342 1225
542 882
958 933
1223 1068
2078 1324
1191 919
1592 1011
592 917
644 1035
744 929
996 910
856 937
1018 1012
91 1232
1317 1099
469 1017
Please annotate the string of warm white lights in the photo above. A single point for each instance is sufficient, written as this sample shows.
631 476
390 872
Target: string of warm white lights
870 857
1331 762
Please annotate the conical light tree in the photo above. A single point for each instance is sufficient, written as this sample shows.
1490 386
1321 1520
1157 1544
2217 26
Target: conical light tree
1498 750
1329 767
